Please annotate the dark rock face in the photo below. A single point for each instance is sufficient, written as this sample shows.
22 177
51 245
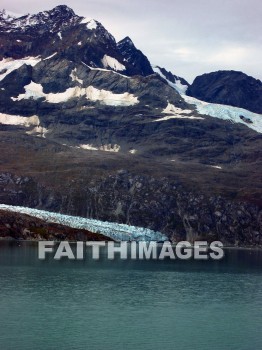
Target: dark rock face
159 204
134 56
228 87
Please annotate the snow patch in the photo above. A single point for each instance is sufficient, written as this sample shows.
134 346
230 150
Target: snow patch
39 131
7 65
171 109
79 43
178 86
106 70
106 148
119 232
216 166
176 113
91 25
32 91
109 98
89 147
133 151
9 119
176 117
60 35
74 77
35 91
47 58
85 20
113 63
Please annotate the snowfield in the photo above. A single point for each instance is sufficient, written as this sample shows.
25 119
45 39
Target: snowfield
112 63
9 119
35 91
118 232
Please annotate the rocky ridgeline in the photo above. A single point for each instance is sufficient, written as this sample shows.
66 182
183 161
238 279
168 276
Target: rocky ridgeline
71 36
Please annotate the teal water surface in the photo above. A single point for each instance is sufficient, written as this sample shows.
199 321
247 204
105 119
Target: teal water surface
132 305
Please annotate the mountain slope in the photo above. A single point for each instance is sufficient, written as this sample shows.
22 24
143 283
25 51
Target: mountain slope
88 129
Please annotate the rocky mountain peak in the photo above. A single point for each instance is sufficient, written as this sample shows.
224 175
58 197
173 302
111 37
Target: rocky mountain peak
61 32
134 56
59 17
62 9
126 41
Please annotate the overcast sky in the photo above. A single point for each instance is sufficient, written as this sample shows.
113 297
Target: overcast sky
188 37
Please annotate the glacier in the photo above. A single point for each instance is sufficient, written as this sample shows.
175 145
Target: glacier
115 231
214 110
226 112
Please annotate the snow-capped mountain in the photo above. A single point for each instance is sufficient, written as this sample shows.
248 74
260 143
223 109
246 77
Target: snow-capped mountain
53 20
61 17
120 140
61 31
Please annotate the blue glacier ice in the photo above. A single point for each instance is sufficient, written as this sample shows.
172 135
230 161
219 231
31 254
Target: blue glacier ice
118 232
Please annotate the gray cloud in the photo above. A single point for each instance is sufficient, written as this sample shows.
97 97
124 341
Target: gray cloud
187 37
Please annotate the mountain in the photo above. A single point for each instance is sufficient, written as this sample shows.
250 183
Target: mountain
134 56
89 128
229 88
60 31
